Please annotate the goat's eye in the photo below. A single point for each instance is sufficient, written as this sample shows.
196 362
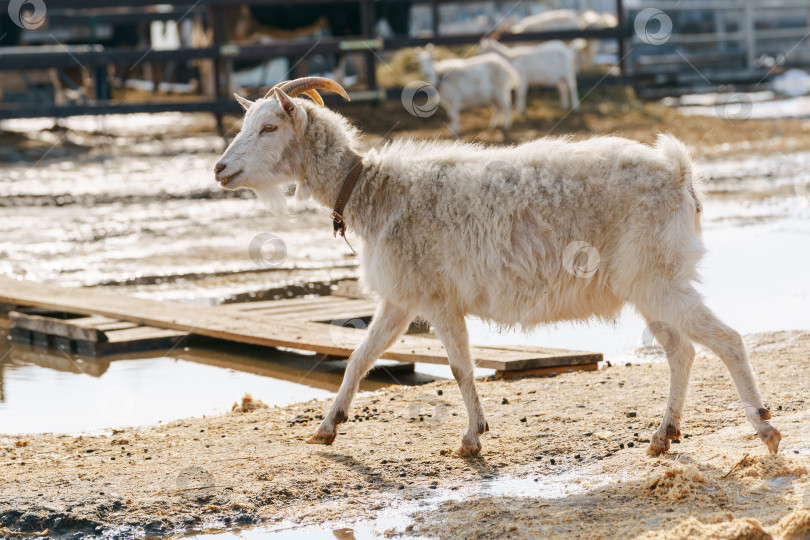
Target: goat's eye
268 128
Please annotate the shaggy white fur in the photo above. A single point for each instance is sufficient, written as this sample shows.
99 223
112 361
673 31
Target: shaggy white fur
454 229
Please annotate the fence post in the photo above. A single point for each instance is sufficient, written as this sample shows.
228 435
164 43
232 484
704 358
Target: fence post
750 36
622 41
367 22
217 15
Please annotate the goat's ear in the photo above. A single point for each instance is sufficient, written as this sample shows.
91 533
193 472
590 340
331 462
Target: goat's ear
302 192
244 102
289 106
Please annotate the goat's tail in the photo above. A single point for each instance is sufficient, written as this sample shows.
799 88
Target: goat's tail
675 152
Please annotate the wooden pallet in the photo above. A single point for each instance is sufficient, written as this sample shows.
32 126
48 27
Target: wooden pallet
97 335
92 336
293 324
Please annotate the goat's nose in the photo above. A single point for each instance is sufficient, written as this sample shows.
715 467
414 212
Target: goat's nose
219 167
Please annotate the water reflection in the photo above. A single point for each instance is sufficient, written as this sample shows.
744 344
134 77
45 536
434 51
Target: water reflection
49 390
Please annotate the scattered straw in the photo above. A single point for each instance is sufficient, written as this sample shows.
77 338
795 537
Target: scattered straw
736 466
248 404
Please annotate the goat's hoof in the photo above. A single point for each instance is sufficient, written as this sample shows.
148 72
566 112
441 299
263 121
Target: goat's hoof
322 437
658 447
469 448
770 436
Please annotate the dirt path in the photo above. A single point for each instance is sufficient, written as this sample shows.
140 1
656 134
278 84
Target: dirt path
588 430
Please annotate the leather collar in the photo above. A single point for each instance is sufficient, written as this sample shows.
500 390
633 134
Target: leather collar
349 182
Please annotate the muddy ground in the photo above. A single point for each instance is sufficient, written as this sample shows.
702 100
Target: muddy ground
580 438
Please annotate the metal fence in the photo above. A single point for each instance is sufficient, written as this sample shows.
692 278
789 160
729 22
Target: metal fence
690 44
97 60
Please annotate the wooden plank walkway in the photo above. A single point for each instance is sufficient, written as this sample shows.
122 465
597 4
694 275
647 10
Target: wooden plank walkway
91 336
287 326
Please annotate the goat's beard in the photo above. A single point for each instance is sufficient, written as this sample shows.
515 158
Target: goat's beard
272 197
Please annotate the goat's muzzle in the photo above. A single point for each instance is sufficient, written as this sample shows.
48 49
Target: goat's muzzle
223 179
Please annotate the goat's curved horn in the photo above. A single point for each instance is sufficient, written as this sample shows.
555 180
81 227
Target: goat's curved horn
307 87
269 93
314 96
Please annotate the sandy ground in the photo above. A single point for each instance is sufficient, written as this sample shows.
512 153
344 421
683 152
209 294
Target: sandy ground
580 437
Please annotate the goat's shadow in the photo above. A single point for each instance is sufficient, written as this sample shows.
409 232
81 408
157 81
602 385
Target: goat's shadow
479 464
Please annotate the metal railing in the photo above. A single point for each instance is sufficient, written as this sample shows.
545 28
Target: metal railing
223 53
747 40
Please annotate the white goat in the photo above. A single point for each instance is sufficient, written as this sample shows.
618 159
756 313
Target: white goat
587 48
568 19
556 19
451 230
487 79
549 64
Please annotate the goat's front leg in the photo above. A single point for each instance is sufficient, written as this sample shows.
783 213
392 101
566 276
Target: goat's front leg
452 330
389 322
563 91
453 109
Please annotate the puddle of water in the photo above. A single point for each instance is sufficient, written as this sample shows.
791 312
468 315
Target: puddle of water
43 390
355 532
557 486
739 107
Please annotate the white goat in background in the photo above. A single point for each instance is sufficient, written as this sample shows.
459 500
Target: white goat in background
556 19
549 64
487 79
569 19
454 229
587 48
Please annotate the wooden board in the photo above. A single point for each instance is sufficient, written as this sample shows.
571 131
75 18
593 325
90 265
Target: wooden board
323 309
318 309
93 336
276 331
544 372
55 327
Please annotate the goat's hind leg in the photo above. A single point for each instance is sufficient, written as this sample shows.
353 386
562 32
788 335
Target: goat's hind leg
704 327
389 322
452 330
683 309
680 355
